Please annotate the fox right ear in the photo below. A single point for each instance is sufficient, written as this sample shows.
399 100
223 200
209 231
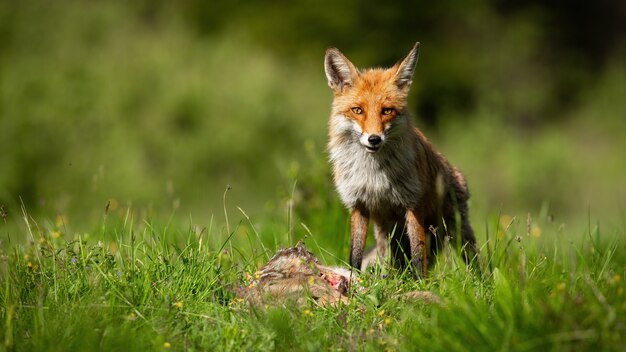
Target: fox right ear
406 67
339 70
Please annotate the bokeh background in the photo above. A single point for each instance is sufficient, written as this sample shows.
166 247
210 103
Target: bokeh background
159 105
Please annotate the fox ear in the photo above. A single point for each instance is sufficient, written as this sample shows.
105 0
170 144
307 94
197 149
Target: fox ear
406 67
339 70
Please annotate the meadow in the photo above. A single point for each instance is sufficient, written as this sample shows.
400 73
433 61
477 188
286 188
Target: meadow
138 284
154 155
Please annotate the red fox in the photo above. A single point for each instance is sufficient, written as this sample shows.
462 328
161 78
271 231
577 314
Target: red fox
387 171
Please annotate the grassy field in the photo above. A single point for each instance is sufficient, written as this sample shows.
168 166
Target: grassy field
139 284
122 123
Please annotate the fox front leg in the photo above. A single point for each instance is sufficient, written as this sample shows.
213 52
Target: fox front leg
417 241
382 240
358 233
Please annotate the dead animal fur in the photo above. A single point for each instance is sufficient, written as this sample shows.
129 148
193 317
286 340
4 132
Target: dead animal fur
295 275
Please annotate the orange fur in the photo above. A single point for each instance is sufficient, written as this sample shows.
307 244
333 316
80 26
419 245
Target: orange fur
386 170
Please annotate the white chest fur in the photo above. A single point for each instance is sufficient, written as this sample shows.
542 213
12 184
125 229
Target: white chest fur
382 180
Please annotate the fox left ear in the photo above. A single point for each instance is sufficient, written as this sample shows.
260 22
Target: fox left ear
340 72
406 67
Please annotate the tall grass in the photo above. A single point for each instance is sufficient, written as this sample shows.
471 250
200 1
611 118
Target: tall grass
117 122
135 284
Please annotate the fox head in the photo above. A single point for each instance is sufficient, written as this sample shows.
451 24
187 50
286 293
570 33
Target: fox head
369 103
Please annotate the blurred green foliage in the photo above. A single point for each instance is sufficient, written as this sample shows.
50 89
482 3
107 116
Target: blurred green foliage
160 105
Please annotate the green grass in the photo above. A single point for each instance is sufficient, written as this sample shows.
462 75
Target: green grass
136 284
155 111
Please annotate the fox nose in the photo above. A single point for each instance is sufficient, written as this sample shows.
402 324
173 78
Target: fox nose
374 139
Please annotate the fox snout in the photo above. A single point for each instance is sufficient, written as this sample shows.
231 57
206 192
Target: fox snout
372 142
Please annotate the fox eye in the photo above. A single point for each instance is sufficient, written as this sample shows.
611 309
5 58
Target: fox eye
388 111
357 110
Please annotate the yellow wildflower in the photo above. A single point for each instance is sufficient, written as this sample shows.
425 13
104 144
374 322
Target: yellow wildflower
505 221
60 220
167 345
178 305
535 231
56 234
615 279
236 301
